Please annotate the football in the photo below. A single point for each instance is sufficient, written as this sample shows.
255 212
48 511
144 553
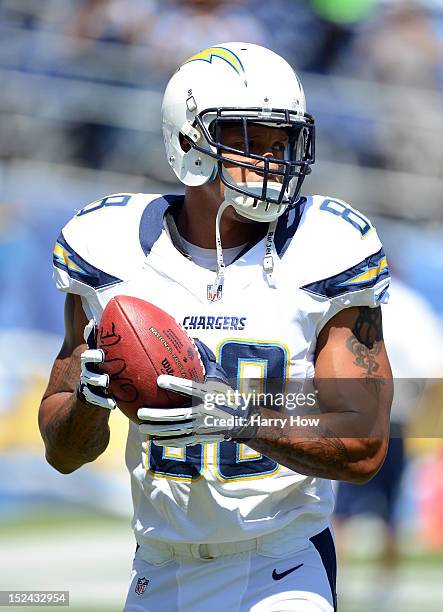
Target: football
141 341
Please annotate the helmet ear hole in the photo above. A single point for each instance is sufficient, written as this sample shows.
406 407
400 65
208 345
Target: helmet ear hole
184 143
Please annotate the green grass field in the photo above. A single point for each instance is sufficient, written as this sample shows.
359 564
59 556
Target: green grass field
90 555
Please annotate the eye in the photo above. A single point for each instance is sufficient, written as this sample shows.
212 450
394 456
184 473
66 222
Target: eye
280 146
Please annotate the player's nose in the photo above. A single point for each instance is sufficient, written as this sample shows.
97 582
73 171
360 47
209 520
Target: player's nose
261 165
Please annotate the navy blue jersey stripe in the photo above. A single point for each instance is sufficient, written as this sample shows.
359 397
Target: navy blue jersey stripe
364 275
324 543
151 222
287 226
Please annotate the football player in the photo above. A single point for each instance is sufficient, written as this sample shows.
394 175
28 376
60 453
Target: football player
280 287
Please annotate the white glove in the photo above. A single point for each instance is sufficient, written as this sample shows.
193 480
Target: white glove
217 414
93 387
187 425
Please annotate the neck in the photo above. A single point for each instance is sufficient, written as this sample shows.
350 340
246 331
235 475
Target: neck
196 221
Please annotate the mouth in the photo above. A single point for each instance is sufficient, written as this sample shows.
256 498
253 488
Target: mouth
257 176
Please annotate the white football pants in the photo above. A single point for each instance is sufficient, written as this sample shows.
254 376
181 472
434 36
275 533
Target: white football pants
260 575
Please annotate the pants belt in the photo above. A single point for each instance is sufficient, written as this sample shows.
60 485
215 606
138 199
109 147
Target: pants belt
280 542
213 551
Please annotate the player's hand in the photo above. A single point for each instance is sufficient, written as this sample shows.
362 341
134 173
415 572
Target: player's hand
217 412
93 387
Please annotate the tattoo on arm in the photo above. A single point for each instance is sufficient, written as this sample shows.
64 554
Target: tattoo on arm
324 456
328 449
368 327
77 434
348 441
366 341
66 373
74 433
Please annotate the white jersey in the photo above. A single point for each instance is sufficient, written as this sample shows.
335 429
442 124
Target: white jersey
328 257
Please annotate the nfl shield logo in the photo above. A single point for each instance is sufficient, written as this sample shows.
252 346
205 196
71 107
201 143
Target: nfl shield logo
214 295
141 585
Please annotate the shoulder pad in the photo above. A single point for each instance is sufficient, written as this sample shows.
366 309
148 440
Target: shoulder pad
102 244
342 255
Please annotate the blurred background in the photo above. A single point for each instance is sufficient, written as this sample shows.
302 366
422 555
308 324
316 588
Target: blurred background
81 88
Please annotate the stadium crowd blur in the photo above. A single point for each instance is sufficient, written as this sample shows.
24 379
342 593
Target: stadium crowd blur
80 117
388 42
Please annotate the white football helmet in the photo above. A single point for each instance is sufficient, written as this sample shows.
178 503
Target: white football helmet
243 83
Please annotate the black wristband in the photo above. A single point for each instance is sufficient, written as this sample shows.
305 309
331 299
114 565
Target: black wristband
80 396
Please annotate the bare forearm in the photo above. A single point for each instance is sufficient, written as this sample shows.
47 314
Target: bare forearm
73 433
354 393
320 451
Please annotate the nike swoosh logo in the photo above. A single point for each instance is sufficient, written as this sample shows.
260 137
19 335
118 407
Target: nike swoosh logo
279 576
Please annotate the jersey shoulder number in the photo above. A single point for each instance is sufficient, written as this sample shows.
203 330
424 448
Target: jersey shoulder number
346 260
348 214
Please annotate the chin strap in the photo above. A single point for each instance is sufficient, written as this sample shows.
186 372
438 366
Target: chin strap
270 255
220 276
268 260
